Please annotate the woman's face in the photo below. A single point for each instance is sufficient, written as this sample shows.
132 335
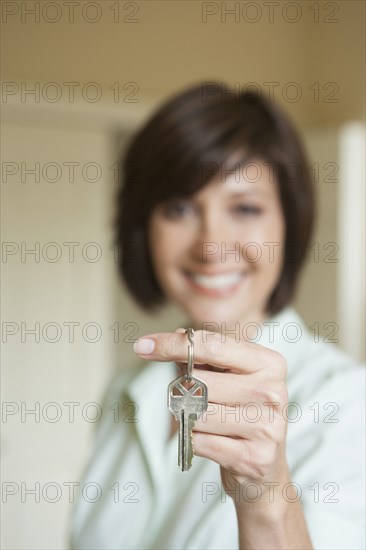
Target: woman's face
218 254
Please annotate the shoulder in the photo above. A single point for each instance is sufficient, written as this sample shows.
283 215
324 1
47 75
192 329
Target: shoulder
315 364
326 430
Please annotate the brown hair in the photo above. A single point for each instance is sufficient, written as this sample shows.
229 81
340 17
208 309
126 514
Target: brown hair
198 128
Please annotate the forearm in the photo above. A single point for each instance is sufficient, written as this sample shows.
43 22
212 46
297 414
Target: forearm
273 527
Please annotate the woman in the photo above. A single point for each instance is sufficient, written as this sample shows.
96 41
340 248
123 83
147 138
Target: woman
215 213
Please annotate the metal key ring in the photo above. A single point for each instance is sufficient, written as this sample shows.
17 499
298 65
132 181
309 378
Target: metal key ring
190 332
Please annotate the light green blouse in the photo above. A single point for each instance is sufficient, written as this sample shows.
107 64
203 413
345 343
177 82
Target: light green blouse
134 496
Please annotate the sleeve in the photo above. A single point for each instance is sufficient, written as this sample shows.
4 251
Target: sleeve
333 474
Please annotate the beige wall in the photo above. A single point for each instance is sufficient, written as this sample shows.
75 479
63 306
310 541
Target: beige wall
170 46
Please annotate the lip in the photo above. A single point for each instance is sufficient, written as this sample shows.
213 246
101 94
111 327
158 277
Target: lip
209 273
215 293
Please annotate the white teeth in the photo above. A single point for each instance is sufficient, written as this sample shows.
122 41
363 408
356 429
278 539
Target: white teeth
217 281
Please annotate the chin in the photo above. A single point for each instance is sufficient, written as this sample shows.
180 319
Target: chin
217 314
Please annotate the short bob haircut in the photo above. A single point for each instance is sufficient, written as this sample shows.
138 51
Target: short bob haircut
168 158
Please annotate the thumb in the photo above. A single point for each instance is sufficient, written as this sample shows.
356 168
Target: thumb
181 365
180 330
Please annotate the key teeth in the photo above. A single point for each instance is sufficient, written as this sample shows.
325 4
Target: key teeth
197 408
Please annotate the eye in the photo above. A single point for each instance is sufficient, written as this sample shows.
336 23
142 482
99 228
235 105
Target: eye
248 209
176 209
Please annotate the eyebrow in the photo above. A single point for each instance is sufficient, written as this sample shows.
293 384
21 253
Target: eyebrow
247 192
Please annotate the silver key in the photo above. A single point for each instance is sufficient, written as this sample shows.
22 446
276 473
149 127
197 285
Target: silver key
187 405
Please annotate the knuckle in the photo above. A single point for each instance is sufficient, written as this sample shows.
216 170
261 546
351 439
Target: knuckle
259 394
271 392
168 347
281 364
262 458
213 346
276 361
278 392
283 394
240 461
268 431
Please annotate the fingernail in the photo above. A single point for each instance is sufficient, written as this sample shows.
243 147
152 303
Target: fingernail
144 346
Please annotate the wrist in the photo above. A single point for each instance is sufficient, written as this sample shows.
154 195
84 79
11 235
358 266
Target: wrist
266 512
268 503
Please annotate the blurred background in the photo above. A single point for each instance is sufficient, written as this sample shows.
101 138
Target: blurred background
78 78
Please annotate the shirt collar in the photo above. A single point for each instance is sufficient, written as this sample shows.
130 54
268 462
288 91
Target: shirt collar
286 333
148 390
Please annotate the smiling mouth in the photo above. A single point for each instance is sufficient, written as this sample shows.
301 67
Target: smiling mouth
220 282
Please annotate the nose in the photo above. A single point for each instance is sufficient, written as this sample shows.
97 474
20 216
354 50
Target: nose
212 237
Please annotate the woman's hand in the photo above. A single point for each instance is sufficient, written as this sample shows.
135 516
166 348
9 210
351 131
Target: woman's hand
243 429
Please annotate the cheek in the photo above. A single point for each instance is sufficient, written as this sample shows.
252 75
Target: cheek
157 244
164 244
264 242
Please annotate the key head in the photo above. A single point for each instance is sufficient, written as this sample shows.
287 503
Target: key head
185 399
